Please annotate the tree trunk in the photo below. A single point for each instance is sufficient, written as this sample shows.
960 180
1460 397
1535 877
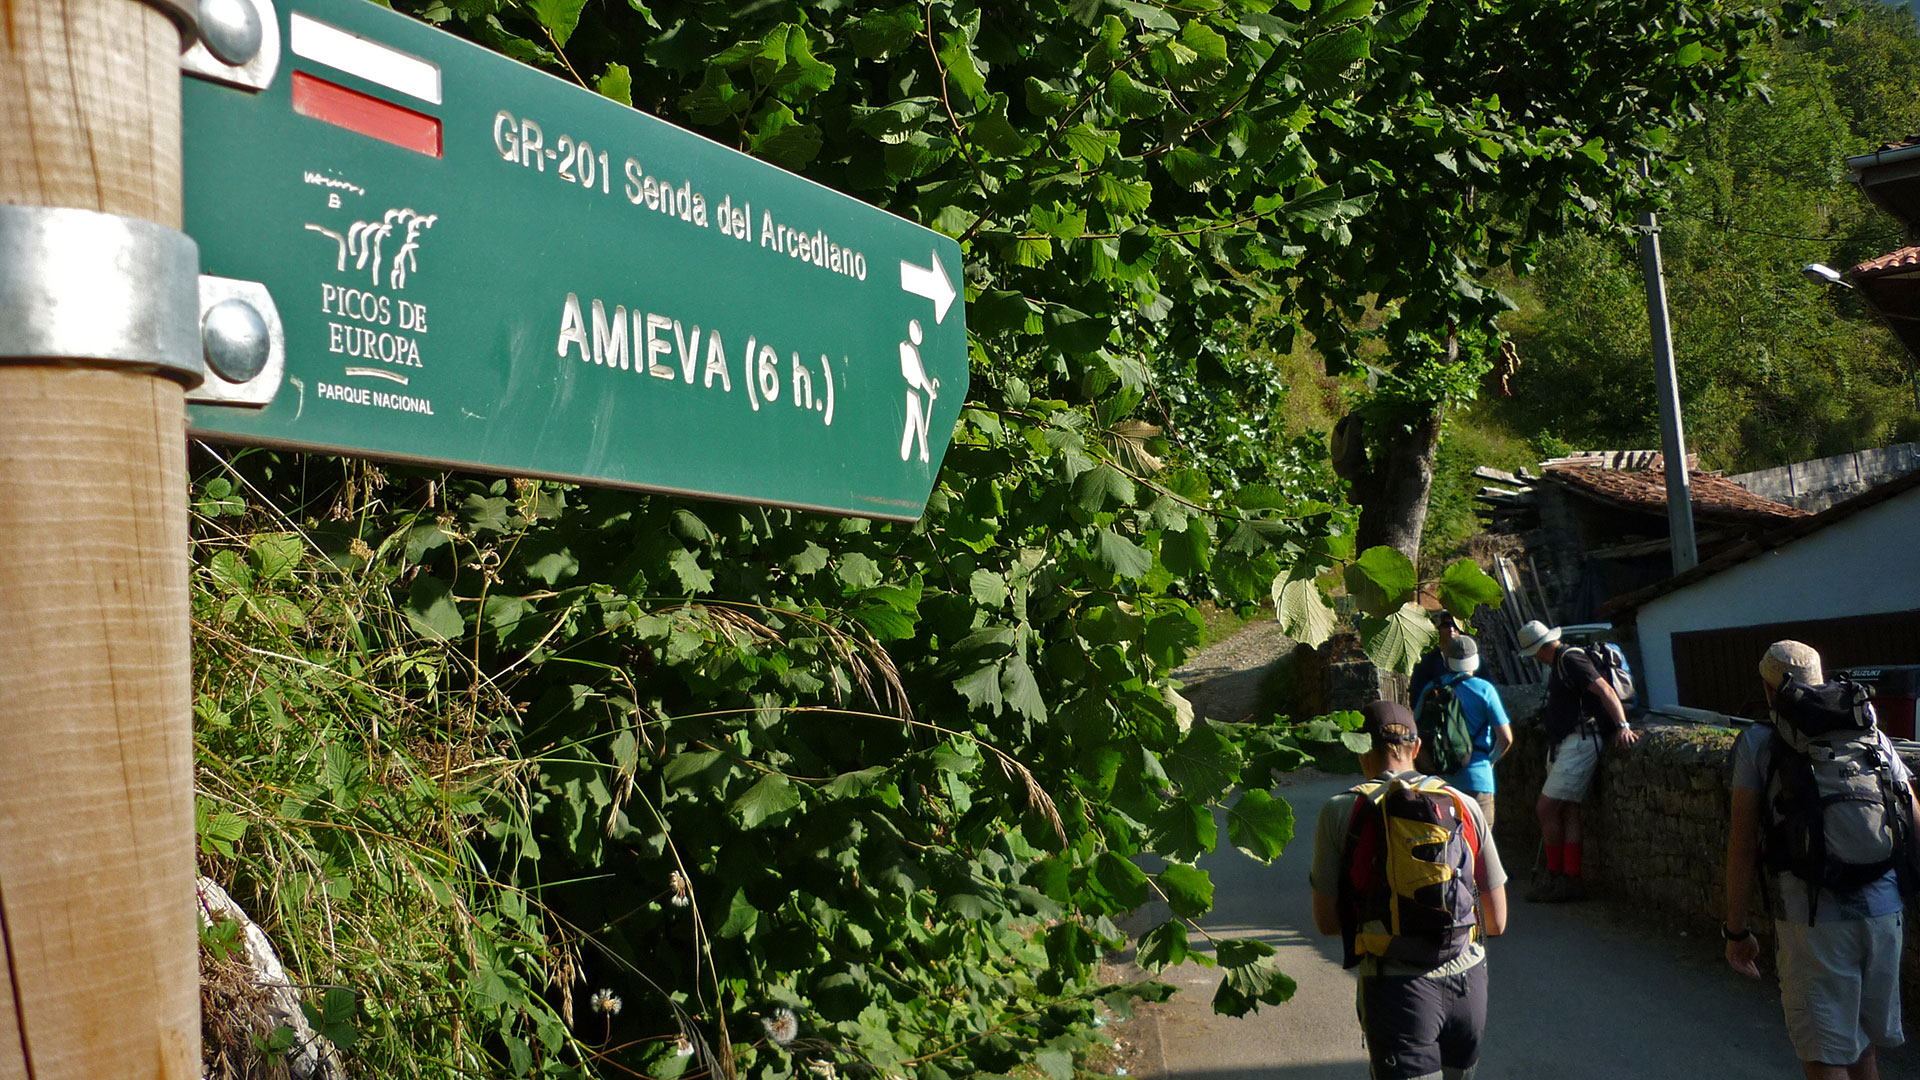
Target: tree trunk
1391 473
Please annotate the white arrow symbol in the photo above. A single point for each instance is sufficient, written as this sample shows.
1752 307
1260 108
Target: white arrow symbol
931 283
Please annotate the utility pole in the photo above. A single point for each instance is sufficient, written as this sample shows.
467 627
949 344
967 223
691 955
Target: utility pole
99 335
1673 442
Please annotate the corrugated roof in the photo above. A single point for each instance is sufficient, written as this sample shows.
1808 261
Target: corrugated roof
1906 259
1785 534
1645 489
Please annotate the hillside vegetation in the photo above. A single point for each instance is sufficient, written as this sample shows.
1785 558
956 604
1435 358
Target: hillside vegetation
1773 368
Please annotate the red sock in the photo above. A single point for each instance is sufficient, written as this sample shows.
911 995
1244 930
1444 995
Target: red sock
1571 857
1556 858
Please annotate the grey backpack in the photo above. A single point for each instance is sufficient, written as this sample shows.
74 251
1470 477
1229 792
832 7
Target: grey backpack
1835 817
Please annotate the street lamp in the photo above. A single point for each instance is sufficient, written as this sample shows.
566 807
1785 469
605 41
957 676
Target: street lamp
1822 274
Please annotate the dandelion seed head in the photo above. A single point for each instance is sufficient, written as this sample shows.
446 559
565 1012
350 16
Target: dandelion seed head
682 889
782 1027
605 1001
682 1046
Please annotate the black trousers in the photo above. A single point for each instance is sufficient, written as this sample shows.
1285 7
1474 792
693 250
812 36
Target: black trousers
1417 1026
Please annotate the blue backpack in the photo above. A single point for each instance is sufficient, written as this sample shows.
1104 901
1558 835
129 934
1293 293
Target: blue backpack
1610 662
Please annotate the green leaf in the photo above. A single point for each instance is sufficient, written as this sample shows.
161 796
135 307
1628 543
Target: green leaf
1204 764
1192 169
1134 99
1092 489
1396 642
1188 889
1122 196
1303 612
858 571
1250 982
1344 10
742 917
1322 206
1057 1064
963 71
1122 556
987 588
432 611
1260 825
616 83
1163 946
1021 690
275 555
1151 16
875 35
689 763
810 559
1464 587
1208 46
1090 144
693 577
558 17
1381 579
1117 883
1075 332
773 795
1242 952
1329 55
1398 22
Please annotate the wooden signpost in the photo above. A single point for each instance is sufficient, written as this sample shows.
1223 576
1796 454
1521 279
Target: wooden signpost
97 975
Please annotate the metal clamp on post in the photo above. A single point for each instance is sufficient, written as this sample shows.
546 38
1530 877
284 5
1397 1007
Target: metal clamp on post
239 44
82 287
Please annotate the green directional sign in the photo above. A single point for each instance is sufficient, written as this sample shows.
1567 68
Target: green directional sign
478 265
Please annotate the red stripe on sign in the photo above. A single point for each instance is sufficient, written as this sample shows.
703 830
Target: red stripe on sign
367 115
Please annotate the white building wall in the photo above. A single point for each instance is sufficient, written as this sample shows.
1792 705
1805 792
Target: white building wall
1867 564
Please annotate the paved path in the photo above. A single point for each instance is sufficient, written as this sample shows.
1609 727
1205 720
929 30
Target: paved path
1575 995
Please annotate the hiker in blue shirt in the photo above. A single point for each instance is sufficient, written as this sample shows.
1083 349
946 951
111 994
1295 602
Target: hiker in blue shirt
1486 718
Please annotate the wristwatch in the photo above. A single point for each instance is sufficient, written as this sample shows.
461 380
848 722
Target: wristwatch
1729 935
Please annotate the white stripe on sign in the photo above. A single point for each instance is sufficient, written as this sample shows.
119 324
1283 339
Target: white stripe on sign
369 60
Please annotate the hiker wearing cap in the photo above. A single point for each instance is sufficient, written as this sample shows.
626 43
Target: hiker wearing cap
1462 705
1434 663
1406 873
1838 947
1583 715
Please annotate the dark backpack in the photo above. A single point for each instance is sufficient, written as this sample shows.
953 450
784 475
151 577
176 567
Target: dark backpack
1445 736
1834 815
1407 889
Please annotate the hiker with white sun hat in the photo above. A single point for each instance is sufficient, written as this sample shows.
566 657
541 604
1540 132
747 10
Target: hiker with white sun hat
1583 716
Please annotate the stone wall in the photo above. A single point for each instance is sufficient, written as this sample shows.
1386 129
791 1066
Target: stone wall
1655 830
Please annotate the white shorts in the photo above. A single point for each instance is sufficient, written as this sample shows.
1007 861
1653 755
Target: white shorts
1571 765
1840 986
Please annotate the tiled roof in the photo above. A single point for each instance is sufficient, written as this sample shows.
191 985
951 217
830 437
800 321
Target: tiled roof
1907 258
1645 489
